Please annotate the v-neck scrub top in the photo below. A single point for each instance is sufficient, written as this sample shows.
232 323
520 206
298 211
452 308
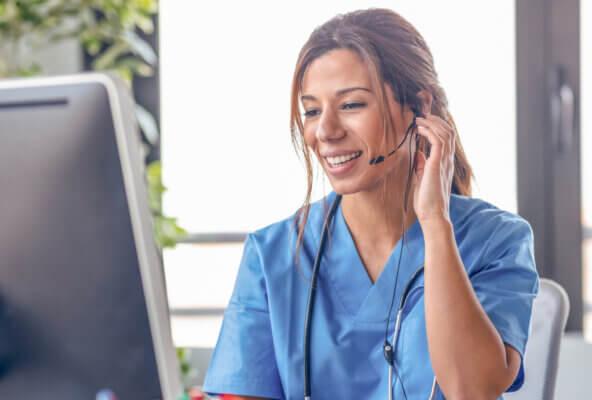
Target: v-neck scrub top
260 348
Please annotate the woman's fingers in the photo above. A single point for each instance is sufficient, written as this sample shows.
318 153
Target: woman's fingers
437 143
447 129
433 126
420 160
441 129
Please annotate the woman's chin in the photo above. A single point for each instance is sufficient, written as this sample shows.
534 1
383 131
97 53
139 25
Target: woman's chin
344 187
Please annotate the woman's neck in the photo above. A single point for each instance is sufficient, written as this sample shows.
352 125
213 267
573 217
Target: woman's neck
375 220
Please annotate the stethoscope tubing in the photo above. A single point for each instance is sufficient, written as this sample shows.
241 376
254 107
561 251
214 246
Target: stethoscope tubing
395 336
311 297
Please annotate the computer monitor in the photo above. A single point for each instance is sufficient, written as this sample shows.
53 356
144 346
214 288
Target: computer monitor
83 305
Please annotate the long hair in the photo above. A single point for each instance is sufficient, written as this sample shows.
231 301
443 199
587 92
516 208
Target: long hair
395 54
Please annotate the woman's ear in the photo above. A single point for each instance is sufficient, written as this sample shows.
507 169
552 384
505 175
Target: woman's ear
426 101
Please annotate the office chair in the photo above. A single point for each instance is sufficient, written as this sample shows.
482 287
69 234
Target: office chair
549 315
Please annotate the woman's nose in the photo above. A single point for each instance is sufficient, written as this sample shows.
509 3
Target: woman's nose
329 127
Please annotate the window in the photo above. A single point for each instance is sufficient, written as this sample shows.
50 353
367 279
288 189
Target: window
227 156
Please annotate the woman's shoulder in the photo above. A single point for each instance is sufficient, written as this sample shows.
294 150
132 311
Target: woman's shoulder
471 212
483 228
497 246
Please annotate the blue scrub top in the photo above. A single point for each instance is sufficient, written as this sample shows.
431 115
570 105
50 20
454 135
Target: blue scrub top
260 347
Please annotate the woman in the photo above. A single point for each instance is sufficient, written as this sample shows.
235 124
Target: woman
401 232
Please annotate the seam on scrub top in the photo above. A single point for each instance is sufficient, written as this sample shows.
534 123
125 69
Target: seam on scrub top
268 311
395 305
251 237
483 253
271 330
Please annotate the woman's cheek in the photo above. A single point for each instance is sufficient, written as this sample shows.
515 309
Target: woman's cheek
309 137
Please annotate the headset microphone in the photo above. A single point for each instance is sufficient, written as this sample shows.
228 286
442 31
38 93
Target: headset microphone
381 158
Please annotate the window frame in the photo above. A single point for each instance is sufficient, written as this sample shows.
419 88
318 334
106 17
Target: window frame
549 182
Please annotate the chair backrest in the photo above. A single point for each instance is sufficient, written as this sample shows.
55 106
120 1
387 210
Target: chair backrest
549 316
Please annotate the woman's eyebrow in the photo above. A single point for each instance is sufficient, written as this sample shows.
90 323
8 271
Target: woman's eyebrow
338 93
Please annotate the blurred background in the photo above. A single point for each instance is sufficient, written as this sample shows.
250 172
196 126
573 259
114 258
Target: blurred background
213 78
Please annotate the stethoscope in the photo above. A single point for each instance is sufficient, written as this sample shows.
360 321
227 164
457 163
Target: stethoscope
389 348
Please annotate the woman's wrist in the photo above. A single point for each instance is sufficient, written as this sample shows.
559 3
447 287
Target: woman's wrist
436 226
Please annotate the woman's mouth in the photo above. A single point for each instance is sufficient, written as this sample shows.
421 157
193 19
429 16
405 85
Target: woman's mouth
341 164
340 160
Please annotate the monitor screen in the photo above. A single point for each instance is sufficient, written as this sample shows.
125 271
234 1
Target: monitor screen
82 297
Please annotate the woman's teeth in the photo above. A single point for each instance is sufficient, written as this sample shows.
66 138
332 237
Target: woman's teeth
334 161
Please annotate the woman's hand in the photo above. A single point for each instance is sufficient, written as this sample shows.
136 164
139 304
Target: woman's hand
433 176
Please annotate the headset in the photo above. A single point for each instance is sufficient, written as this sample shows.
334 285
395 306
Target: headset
388 347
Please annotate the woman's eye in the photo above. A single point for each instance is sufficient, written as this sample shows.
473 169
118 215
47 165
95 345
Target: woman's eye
346 106
349 106
310 113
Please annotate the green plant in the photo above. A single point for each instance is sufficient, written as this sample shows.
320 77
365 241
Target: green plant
107 31
167 232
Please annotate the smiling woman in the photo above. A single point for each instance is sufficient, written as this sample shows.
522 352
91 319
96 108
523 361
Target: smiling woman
350 92
399 227
199 71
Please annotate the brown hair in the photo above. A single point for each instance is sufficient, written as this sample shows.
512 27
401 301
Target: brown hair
396 54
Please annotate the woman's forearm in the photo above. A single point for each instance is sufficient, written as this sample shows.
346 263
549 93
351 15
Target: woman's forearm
466 351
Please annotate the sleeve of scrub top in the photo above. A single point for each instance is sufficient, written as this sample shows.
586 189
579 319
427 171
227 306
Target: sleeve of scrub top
506 284
243 362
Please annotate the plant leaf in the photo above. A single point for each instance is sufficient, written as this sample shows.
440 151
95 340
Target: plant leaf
137 66
147 125
107 59
140 47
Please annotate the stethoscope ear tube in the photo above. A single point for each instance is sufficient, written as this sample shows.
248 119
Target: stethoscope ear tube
311 296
